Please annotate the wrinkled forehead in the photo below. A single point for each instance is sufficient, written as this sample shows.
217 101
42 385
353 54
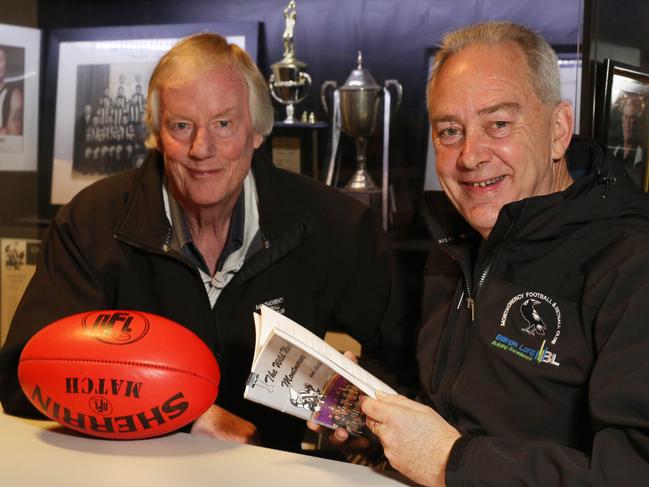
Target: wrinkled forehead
482 70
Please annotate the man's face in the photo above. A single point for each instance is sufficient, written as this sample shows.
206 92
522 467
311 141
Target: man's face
206 137
491 133
630 122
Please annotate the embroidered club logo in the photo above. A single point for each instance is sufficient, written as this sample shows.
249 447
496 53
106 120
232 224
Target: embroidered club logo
530 328
533 318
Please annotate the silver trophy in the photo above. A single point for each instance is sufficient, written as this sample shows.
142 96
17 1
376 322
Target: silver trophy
356 106
289 82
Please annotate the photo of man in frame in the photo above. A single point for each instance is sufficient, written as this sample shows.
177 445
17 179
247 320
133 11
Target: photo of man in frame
12 97
628 130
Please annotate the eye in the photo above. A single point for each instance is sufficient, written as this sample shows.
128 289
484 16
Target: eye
181 125
499 128
224 124
449 135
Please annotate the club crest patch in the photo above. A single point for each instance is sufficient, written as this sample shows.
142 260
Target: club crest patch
530 326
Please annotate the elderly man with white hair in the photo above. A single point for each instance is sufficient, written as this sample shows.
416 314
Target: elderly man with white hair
205 232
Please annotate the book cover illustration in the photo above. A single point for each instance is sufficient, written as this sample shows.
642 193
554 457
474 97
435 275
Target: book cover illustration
288 379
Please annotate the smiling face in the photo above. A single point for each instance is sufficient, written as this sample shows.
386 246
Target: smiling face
207 138
495 141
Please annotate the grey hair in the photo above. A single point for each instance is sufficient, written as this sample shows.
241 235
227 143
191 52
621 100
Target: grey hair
199 53
542 61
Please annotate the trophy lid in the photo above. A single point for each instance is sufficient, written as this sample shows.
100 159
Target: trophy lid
360 78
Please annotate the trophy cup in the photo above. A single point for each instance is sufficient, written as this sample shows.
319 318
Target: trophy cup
356 107
289 82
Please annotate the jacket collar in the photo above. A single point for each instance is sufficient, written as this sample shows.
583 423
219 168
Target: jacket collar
144 223
279 211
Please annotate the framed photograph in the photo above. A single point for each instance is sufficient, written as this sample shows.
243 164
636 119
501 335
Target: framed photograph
18 264
622 120
20 49
97 81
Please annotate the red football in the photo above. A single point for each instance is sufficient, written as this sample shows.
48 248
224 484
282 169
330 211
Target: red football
119 374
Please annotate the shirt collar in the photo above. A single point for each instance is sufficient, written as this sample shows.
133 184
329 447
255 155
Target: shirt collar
183 242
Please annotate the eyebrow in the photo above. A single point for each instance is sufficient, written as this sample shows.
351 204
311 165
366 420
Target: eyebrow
509 106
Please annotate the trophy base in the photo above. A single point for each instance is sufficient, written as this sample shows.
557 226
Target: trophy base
371 198
361 181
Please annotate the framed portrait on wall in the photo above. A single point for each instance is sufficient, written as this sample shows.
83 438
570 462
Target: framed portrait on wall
20 49
98 80
622 117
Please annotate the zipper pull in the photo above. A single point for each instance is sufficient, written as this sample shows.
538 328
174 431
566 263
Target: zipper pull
470 304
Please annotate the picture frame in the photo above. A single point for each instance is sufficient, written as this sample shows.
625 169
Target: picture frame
96 84
622 116
20 49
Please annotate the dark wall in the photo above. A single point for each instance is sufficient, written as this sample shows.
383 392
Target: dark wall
393 35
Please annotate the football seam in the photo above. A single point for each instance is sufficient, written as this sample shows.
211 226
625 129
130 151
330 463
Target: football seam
119 362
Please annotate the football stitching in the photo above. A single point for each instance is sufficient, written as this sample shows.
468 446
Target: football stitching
118 362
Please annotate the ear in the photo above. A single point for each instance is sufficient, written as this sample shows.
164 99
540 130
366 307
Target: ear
562 128
257 140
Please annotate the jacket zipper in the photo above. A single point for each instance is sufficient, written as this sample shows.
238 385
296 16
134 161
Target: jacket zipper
468 297
471 306
165 250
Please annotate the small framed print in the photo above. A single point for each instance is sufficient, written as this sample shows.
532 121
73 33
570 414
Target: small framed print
97 81
622 122
18 260
19 80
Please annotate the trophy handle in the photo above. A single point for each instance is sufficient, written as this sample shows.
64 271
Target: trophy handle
271 85
323 94
399 88
305 81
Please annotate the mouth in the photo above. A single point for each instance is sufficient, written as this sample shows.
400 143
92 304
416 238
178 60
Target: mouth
198 173
484 184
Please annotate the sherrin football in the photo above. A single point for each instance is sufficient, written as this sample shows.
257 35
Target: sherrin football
119 374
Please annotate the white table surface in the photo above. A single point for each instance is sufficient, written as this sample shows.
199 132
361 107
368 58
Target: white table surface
42 453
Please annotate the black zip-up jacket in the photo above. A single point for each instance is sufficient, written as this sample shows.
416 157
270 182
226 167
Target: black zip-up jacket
535 342
325 262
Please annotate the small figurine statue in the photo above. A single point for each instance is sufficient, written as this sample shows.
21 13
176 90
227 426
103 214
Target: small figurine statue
290 16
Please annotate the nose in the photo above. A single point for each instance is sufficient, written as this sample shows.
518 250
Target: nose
474 150
203 146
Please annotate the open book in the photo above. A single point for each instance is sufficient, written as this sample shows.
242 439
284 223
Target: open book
298 373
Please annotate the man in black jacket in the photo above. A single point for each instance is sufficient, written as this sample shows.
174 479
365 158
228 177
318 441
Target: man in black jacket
533 353
203 234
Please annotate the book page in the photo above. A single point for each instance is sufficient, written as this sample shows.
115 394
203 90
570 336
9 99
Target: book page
274 322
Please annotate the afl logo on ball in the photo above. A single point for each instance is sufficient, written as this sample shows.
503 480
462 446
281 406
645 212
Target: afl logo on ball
116 327
101 405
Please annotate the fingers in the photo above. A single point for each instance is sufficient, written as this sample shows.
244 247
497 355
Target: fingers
374 409
373 425
314 427
402 401
351 356
339 436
